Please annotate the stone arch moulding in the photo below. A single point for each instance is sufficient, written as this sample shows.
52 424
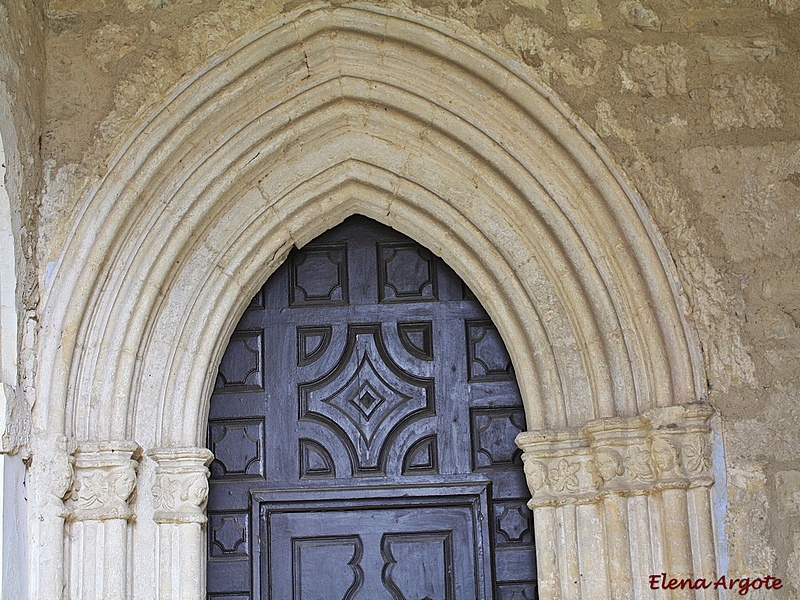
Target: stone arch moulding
421 126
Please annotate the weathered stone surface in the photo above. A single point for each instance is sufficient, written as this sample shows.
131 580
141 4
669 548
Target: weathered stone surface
788 488
582 14
112 42
736 49
536 47
654 71
707 17
750 195
607 473
659 450
640 15
747 524
104 480
747 194
793 564
745 101
530 4
22 82
786 7
180 489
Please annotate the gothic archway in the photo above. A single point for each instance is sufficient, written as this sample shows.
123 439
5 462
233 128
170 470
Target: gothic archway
329 113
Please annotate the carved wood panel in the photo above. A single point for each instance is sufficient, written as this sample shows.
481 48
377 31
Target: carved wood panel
366 365
373 546
367 399
242 364
406 273
493 433
319 276
488 358
237 445
229 534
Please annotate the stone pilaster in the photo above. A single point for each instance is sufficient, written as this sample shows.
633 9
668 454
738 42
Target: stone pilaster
180 493
634 492
99 514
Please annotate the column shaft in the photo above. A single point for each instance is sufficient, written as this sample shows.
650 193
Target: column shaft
180 493
99 519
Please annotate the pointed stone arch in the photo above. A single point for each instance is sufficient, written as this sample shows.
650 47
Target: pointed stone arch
325 114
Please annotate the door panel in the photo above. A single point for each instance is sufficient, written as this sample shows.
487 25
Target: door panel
367 400
365 370
375 542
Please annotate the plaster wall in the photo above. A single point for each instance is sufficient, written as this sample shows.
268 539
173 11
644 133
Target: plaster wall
698 101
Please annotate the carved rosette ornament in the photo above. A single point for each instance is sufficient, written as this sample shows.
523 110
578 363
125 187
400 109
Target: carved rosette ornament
105 479
665 448
180 486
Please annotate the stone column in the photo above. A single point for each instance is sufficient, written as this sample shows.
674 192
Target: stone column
48 481
180 493
620 500
99 516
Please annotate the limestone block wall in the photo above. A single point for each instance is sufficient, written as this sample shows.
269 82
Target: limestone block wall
698 101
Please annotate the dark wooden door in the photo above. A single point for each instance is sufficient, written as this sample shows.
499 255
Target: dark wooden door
362 426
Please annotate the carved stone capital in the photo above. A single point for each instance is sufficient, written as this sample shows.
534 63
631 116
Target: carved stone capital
51 474
663 448
105 479
180 486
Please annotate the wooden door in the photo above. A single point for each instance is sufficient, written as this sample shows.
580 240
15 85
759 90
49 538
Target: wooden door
362 426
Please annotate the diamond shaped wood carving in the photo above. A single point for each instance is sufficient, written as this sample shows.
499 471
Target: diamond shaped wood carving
375 395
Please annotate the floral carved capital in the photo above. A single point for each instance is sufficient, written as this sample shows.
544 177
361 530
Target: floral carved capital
662 449
105 480
180 484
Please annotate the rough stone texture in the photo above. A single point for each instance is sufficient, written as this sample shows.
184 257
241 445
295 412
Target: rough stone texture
786 7
21 105
788 484
699 102
654 71
538 4
22 74
639 15
582 14
729 49
750 552
580 68
746 101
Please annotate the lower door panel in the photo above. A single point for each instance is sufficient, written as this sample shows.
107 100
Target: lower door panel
392 543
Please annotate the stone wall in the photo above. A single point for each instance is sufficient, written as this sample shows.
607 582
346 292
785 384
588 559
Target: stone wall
698 101
22 81
22 74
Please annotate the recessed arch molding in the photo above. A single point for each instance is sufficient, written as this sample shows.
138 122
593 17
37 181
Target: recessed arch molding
425 128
